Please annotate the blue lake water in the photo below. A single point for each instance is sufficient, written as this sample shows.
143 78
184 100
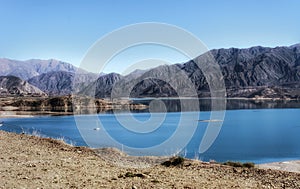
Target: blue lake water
256 135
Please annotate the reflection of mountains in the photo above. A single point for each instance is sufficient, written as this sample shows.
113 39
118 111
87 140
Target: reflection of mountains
175 105
261 104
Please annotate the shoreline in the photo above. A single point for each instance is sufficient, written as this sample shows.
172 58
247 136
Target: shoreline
10 114
284 165
30 114
146 161
34 162
290 166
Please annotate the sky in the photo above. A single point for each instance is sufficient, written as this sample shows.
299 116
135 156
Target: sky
66 29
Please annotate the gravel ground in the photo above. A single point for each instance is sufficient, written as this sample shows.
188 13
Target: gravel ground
33 162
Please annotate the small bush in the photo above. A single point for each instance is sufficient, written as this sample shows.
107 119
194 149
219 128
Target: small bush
155 181
174 161
233 164
238 164
178 161
130 174
248 165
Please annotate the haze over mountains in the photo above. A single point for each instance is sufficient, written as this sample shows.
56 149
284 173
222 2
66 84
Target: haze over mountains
252 72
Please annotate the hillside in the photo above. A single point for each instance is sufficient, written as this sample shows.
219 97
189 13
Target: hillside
102 87
252 72
59 83
32 162
11 85
34 67
256 72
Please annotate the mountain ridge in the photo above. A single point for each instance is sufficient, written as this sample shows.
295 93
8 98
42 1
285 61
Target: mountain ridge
261 72
248 72
60 83
33 67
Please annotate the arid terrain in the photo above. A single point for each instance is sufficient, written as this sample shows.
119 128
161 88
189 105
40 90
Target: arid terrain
33 162
63 105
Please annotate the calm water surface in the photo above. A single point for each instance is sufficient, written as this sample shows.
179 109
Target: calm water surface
257 135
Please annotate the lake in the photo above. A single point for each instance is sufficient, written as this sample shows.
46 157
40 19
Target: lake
260 132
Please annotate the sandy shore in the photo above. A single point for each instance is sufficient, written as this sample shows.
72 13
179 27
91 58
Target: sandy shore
12 114
33 162
292 166
26 114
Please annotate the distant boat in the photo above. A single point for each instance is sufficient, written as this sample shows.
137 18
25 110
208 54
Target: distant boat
209 120
97 129
1 123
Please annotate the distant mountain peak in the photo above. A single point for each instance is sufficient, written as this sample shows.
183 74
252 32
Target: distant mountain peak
295 45
33 67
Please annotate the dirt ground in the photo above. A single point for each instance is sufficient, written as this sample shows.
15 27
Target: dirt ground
33 162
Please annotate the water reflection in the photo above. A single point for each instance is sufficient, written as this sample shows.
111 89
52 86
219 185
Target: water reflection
164 105
174 105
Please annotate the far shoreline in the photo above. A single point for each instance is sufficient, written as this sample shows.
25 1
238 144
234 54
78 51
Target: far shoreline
290 166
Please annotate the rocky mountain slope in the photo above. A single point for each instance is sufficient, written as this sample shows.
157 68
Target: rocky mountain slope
11 85
60 83
51 76
102 87
252 72
34 67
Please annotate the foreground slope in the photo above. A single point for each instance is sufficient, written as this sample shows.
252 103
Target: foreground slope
31 162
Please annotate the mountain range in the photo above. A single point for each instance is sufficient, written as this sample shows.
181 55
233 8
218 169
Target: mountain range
34 67
250 72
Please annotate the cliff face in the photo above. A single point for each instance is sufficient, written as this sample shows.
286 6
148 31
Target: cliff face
11 85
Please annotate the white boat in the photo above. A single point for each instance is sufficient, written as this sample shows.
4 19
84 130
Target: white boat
209 120
1 123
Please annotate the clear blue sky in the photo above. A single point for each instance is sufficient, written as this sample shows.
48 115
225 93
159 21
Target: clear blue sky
65 29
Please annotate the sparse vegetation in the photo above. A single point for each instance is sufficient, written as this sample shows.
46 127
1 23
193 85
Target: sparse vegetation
155 181
174 161
73 169
239 164
130 174
248 165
